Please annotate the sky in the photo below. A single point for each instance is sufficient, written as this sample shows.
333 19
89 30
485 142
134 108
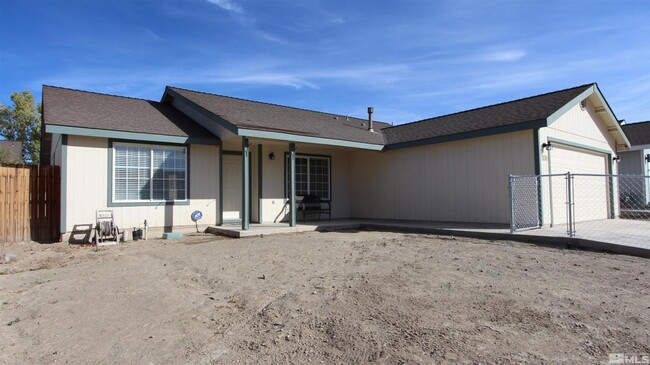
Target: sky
409 59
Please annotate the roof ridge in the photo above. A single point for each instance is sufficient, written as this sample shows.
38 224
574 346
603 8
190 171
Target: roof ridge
634 123
272 104
98 93
491 105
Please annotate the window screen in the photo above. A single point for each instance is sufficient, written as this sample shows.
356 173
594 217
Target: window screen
149 173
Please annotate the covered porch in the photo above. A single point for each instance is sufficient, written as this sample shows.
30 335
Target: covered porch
262 180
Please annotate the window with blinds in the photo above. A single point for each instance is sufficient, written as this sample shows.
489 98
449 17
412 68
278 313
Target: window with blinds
149 173
312 176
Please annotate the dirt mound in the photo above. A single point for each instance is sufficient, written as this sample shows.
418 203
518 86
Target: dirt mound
346 297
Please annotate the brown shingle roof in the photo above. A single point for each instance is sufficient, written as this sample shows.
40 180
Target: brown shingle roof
249 114
529 109
637 133
75 108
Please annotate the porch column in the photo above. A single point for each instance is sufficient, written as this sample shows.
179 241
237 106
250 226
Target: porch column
292 184
246 183
220 179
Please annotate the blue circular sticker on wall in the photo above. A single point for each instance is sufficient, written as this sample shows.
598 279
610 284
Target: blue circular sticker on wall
196 215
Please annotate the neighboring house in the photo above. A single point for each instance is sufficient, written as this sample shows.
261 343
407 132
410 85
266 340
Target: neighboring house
12 151
637 162
233 158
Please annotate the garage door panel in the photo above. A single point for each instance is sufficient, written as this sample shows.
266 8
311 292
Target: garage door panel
590 193
577 161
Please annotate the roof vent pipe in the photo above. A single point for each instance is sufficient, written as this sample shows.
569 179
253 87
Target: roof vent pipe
370 111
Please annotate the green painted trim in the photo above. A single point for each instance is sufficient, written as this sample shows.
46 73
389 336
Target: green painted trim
612 208
260 180
566 107
292 184
537 148
221 221
155 203
306 139
64 182
250 185
640 147
201 110
131 136
467 135
578 145
246 188
231 153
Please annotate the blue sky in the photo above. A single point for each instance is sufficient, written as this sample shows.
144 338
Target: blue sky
409 59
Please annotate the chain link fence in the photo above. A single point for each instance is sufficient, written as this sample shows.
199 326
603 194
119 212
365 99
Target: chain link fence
610 208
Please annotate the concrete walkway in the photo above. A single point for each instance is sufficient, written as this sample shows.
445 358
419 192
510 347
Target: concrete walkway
616 236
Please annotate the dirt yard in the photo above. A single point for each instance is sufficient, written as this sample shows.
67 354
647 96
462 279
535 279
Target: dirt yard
333 298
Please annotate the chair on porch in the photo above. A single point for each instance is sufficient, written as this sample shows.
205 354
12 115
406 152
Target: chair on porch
311 204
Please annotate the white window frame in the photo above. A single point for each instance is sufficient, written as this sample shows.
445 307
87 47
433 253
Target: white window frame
309 158
151 172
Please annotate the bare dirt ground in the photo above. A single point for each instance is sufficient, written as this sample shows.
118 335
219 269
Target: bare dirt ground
334 298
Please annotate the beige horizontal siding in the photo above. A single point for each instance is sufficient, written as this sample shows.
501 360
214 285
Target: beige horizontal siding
462 181
87 188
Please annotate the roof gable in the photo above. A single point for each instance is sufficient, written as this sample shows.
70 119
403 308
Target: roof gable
74 109
245 114
518 114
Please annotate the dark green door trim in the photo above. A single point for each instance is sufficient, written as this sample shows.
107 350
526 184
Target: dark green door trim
246 181
260 170
64 181
292 184
220 221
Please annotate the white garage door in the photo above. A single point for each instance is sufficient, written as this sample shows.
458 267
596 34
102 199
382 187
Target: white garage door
577 161
590 193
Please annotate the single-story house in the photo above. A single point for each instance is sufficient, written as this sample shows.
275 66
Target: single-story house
636 162
238 160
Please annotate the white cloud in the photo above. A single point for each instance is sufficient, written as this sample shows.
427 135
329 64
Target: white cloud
268 79
227 5
505 56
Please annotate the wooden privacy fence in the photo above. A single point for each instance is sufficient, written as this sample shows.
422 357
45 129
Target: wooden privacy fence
30 203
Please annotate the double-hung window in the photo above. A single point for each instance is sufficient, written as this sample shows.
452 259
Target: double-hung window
149 173
312 176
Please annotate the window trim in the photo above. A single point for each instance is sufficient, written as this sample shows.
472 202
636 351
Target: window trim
308 155
142 203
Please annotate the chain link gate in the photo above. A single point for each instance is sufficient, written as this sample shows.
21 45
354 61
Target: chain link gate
583 205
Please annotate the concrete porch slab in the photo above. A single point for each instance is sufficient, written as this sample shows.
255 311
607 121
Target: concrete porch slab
257 230
594 239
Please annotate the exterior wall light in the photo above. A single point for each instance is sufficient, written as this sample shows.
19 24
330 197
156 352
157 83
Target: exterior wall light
548 146
271 156
616 159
